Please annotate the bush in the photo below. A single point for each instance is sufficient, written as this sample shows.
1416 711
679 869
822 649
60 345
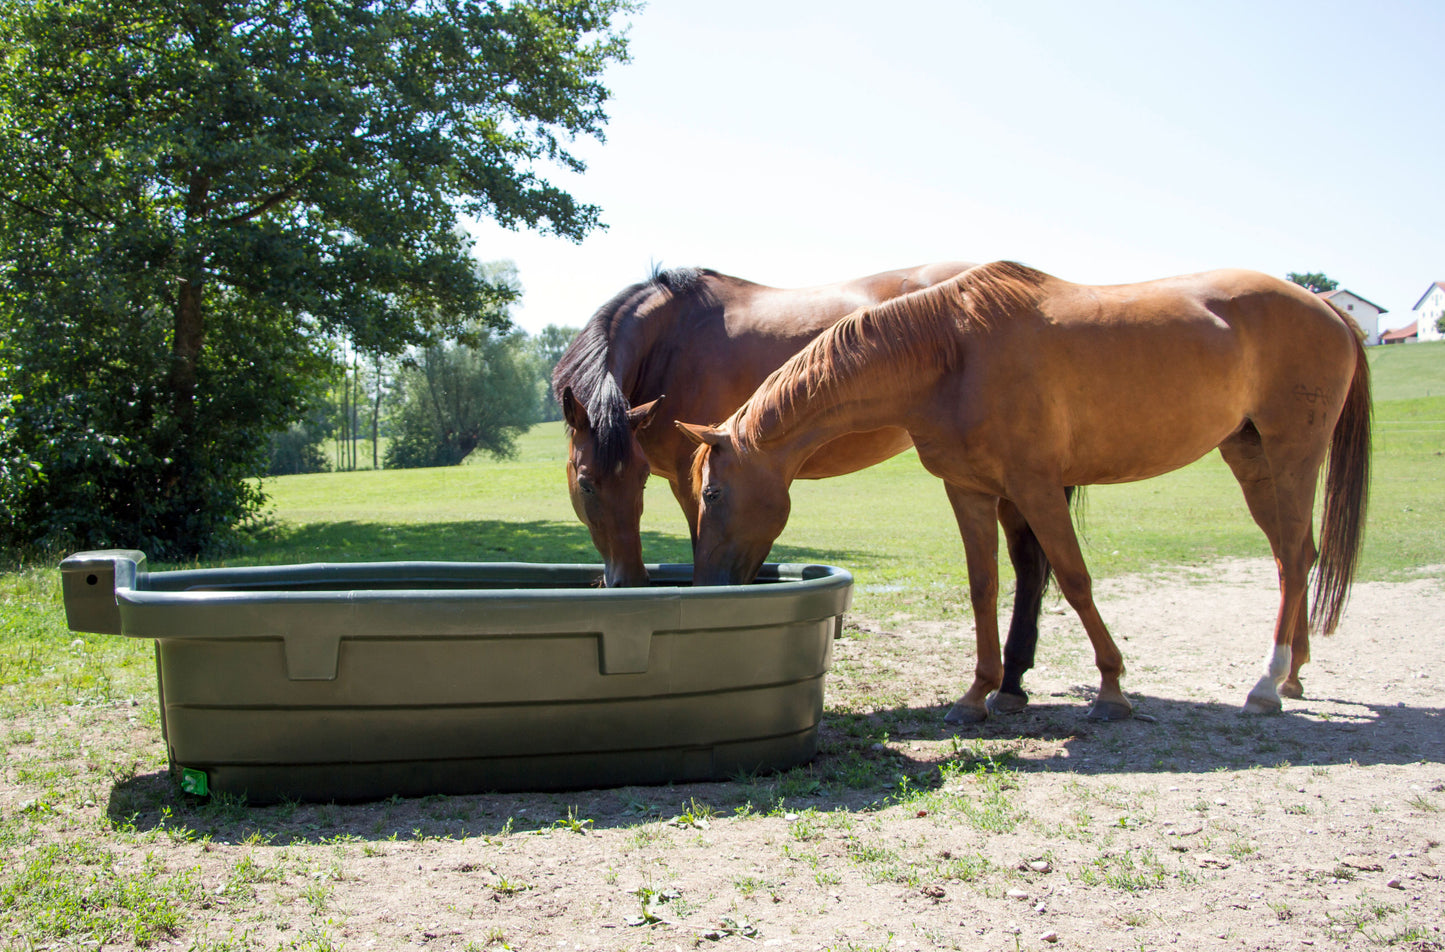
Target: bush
457 398
296 449
99 457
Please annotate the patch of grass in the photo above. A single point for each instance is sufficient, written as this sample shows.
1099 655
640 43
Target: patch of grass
967 868
880 863
247 870
652 900
80 890
317 896
1129 871
1423 803
1380 923
984 793
1407 373
806 826
695 815
652 834
43 666
509 887
571 822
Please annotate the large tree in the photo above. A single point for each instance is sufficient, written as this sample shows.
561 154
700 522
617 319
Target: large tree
459 397
1313 280
548 346
194 191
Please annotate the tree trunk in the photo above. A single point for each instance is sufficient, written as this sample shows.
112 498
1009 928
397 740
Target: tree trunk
190 325
376 419
190 337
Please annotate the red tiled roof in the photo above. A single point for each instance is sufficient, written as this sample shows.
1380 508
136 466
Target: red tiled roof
1401 333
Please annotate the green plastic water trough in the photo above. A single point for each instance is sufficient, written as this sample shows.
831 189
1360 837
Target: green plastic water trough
361 681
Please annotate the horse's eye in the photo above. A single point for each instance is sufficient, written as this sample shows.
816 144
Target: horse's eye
711 494
586 487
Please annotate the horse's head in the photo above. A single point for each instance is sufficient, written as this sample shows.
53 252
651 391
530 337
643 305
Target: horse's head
606 487
743 506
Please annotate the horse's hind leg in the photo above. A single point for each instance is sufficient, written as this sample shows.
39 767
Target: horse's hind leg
1031 575
1047 512
1031 578
1279 487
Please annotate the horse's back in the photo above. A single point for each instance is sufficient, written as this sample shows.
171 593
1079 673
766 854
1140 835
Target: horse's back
1253 316
1116 367
723 339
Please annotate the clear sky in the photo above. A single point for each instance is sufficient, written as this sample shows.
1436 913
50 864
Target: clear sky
794 142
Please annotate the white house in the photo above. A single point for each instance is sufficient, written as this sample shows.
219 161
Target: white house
1367 315
1428 310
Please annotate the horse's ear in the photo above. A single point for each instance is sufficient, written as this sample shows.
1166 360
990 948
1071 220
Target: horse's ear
703 434
574 413
640 418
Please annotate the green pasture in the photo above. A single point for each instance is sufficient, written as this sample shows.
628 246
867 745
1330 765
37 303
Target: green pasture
890 525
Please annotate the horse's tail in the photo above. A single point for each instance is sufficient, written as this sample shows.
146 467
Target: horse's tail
1347 489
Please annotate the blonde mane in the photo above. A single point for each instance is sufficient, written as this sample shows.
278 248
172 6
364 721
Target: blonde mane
889 342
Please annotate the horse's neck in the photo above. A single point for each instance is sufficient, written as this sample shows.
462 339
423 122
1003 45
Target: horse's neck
643 340
633 343
871 399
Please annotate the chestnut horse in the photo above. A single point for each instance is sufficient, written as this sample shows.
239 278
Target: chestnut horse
706 340
1015 384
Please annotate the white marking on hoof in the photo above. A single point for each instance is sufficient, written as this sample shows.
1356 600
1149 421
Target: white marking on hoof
1264 699
1276 666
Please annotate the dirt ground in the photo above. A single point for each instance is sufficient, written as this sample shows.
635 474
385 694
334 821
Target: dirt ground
1189 827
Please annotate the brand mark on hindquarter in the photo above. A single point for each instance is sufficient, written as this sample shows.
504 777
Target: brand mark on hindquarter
1314 399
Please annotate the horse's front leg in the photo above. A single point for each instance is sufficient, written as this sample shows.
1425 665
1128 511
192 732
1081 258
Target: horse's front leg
681 485
976 514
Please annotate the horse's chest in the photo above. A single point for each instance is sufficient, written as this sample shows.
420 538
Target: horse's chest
959 461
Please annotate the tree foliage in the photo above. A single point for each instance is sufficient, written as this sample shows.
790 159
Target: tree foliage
459 397
195 193
548 346
1313 281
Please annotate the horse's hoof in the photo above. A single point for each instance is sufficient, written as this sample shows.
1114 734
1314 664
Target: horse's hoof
1111 711
1001 702
1256 704
1292 689
963 714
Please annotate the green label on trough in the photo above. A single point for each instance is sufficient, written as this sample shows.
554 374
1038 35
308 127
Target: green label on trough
194 782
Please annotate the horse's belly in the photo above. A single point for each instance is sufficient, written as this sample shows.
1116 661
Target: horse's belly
1136 450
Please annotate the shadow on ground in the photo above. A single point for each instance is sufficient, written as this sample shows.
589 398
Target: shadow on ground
866 761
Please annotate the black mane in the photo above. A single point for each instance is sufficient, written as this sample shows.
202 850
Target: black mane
584 366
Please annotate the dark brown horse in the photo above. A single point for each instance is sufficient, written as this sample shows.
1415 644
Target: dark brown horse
693 344
1014 384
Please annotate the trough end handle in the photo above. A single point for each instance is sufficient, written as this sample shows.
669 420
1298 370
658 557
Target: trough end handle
89 581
